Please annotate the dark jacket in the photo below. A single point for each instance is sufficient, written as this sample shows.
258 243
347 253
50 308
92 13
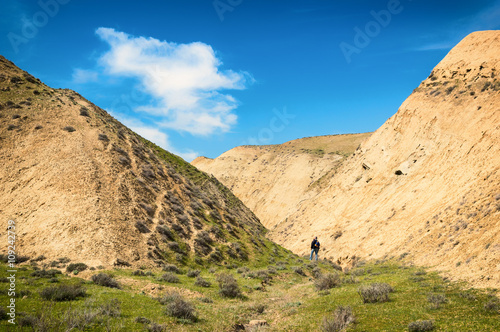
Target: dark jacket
315 244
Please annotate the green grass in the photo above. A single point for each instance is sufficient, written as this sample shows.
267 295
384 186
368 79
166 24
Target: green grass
289 302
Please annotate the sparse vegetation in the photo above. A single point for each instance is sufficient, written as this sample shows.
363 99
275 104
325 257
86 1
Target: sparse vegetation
177 307
69 129
421 326
436 300
170 277
63 293
79 267
304 306
341 318
327 281
228 286
202 282
106 280
376 292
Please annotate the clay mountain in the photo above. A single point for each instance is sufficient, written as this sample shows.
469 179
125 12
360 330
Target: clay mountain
80 186
425 187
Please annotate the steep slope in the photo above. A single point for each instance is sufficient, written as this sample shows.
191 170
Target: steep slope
427 183
424 186
81 185
271 180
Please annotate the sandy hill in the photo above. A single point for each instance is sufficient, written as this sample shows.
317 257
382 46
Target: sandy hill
273 179
81 185
424 186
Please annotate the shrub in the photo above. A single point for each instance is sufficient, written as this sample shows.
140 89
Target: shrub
106 280
420 273
316 272
193 273
339 321
436 300
76 267
111 308
39 258
298 270
492 305
327 281
377 292
421 326
69 129
141 227
165 231
142 320
84 111
103 137
467 296
138 273
45 273
171 268
155 327
206 300
63 293
170 277
228 286
259 308
201 282
179 308
203 243
242 269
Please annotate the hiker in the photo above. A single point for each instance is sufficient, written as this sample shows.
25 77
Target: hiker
314 248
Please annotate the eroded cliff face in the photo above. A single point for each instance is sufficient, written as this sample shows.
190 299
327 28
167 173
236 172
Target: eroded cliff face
426 185
81 185
273 179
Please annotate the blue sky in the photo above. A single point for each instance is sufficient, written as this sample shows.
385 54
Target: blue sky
200 77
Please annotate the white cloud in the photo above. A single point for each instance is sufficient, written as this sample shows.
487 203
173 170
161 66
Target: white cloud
184 79
81 76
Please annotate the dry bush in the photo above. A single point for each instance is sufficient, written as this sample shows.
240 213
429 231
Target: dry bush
141 227
203 243
45 273
377 292
69 129
298 270
492 305
436 300
155 327
106 280
165 231
179 308
339 321
63 293
201 282
138 273
193 273
84 111
327 281
170 277
421 326
111 308
171 268
76 267
228 286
